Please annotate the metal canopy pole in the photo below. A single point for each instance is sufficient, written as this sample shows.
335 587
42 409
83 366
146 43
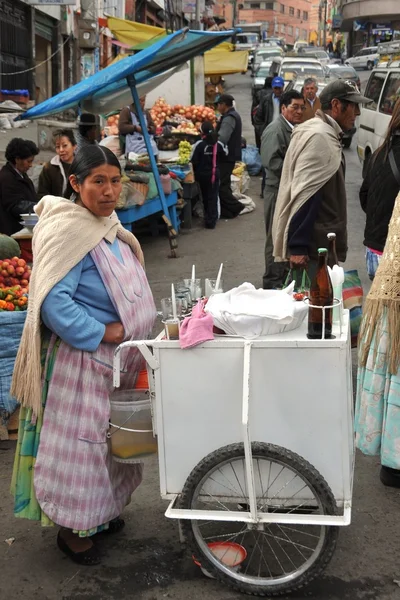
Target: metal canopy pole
166 216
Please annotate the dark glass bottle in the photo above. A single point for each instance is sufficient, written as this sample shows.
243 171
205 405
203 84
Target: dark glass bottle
332 255
321 294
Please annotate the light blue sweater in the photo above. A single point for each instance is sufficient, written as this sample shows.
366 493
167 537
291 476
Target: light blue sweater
78 308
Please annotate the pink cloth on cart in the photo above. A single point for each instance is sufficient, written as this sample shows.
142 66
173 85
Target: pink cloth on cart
197 328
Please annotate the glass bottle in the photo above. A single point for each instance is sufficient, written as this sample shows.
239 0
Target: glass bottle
321 294
332 255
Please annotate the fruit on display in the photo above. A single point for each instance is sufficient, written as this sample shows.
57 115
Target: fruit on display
14 271
187 127
13 299
185 150
8 247
194 114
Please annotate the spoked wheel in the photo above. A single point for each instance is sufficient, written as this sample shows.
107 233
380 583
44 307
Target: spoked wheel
271 558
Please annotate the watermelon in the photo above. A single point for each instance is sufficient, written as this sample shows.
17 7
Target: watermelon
8 247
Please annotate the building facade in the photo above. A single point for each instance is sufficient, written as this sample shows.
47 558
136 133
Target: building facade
368 22
289 19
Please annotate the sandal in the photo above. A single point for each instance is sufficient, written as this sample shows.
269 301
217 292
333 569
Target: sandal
114 526
87 558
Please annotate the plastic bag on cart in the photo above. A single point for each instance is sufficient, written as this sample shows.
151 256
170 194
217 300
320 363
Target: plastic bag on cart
247 312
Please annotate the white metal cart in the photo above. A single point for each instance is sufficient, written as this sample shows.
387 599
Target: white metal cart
256 450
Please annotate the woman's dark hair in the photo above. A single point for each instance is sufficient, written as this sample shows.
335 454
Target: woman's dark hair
207 128
68 133
19 148
89 158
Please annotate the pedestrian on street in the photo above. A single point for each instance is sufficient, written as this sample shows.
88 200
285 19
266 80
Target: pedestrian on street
17 192
87 131
206 158
274 144
259 96
90 291
269 108
377 418
267 112
229 130
312 102
130 129
53 179
312 195
379 190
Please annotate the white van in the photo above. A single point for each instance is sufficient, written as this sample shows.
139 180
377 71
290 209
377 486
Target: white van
383 88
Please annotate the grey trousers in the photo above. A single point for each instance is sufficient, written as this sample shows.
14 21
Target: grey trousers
275 272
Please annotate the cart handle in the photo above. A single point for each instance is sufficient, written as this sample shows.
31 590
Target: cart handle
142 346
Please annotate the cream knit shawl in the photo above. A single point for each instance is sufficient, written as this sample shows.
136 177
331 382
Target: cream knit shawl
313 157
63 236
382 306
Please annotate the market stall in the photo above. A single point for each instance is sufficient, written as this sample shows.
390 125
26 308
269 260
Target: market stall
130 78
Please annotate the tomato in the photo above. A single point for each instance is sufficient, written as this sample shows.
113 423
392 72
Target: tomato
298 296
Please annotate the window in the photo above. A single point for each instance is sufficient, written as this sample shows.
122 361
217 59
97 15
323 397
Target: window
282 28
282 8
255 5
269 6
305 15
291 11
390 95
374 89
297 33
304 34
290 30
298 13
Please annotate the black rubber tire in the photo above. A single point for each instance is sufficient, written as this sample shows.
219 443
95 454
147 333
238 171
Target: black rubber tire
370 65
307 471
347 142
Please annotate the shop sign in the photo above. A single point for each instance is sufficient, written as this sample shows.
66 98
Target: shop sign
378 28
189 6
337 21
358 26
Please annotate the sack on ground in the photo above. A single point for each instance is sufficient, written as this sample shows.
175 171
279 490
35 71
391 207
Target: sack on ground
252 158
249 204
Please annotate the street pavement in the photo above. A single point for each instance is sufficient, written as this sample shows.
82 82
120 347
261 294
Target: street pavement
146 561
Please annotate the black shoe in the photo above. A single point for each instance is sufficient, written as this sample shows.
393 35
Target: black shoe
390 477
88 558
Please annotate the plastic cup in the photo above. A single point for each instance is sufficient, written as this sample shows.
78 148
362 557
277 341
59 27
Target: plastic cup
210 288
166 308
172 327
194 286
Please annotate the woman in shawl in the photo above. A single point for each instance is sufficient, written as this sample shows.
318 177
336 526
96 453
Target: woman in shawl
88 293
378 386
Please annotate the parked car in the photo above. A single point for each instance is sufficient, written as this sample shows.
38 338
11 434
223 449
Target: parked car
366 58
343 72
299 44
262 72
296 66
264 54
383 88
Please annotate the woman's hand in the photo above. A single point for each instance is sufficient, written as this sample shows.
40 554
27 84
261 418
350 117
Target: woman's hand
138 129
114 333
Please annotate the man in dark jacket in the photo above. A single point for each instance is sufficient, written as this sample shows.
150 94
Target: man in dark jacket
230 134
17 192
269 108
274 144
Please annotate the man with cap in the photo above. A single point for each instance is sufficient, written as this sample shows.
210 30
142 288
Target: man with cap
229 130
268 109
312 196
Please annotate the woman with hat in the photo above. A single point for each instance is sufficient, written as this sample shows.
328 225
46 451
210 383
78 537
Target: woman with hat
378 387
87 130
88 293
129 127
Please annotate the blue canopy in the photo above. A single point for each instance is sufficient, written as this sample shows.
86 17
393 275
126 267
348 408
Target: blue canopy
156 62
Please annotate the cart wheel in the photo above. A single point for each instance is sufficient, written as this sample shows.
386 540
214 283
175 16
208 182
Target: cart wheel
280 558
